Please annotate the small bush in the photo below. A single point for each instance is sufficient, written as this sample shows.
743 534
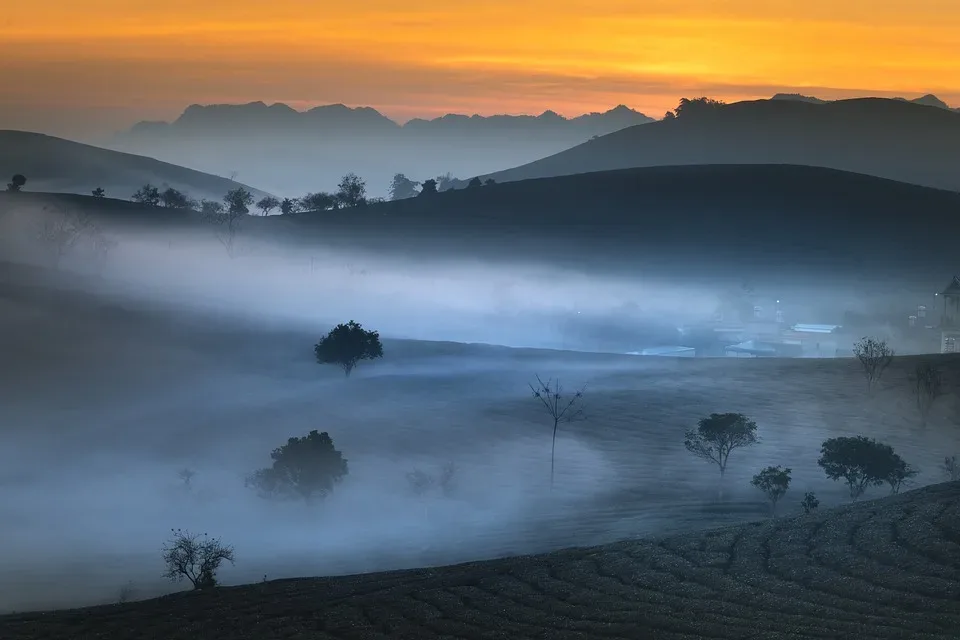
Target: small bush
809 502
195 557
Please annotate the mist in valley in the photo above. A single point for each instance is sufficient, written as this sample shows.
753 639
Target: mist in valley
123 370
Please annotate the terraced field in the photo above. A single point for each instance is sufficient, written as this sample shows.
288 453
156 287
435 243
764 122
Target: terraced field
887 568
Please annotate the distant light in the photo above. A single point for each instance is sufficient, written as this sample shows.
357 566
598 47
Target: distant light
778 302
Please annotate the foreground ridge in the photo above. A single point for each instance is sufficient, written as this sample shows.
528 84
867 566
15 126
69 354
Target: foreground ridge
886 568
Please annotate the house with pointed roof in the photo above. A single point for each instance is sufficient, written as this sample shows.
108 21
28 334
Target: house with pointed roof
950 318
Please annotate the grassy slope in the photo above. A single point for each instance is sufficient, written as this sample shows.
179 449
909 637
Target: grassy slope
671 218
886 138
881 569
58 165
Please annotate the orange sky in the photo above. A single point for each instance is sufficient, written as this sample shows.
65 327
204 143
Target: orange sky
107 63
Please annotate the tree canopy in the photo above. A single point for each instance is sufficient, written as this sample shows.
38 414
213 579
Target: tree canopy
347 344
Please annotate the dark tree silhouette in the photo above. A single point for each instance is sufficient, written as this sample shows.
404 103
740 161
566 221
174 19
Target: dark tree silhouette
874 356
173 199
809 502
289 205
16 182
346 345
195 557
320 201
267 204
860 461
697 107
774 482
351 192
238 201
927 387
560 407
98 193
147 194
717 436
489 181
428 187
304 467
898 473
402 187
474 183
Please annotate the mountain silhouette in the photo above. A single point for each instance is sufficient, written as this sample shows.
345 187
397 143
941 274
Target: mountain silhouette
929 100
895 139
290 152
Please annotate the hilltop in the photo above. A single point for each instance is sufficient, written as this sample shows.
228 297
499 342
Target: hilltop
899 140
881 569
57 165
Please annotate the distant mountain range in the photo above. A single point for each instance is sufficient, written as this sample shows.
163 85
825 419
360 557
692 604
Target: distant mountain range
910 141
290 152
928 100
56 165
339 120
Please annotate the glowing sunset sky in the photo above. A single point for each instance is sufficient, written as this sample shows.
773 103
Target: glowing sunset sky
103 64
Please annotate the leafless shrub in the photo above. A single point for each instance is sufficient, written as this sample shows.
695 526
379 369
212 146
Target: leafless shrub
126 593
560 407
186 475
874 356
195 557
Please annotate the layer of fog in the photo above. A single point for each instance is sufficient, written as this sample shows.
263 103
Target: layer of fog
111 410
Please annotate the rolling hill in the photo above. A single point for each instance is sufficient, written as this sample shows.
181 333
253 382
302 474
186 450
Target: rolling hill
881 569
678 218
667 219
892 139
57 165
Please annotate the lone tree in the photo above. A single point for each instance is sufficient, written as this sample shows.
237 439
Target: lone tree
860 461
16 182
927 387
147 194
874 356
194 557
351 192
267 204
428 187
402 187
98 193
61 230
717 435
774 482
474 183
560 407
319 201
226 217
346 345
304 467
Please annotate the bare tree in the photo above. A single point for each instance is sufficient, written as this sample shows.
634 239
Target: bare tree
195 557
875 356
561 407
102 246
927 387
226 222
61 230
